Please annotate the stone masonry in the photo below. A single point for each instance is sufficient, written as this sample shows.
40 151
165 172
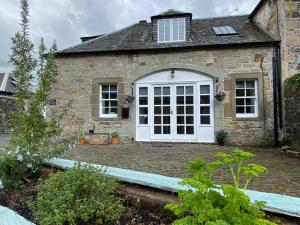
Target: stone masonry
282 19
7 105
76 76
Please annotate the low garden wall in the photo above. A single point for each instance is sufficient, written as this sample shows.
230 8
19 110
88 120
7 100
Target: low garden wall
7 105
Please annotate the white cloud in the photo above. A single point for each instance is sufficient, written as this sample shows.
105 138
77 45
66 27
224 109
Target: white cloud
67 20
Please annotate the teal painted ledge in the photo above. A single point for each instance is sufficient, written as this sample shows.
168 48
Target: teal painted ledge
277 203
10 217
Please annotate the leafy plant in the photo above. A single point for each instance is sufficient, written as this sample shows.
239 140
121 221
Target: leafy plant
205 203
295 79
33 138
79 194
221 136
115 135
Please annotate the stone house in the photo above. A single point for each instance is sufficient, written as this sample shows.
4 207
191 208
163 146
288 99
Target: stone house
7 101
165 80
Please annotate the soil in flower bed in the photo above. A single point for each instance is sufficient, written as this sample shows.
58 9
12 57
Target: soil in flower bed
144 206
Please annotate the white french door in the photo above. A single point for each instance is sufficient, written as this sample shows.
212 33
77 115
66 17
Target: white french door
173 110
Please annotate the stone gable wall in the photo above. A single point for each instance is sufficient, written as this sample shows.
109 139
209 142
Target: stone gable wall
76 76
7 105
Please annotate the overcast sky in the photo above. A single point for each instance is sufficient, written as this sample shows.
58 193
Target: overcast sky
67 20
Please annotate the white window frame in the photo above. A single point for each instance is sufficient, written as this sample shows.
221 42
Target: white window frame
171 20
255 97
101 100
209 94
143 106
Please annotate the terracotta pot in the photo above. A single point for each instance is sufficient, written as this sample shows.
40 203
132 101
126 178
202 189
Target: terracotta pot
81 141
115 141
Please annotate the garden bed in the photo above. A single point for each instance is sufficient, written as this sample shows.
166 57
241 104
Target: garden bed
143 205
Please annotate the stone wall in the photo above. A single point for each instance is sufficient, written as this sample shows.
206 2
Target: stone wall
292 120
7 105
76 76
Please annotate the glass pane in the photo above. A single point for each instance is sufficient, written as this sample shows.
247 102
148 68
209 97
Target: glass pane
250 109
157 100
204 110
180 109
166 90
143 101
189 90
204 89
204 99
143 91
180 130
113 103
105 110
250 101
161 37
180 100
189 109
180 90
240 84
205 119
175 33
181 37
106 104
250 84
113 87
166 120
157 129
113 95
166 129
240 92
143 120
239 101
240 109
180 119
181 21
190 130
157 91
143 111
114 111
105 87
105 95
166 100
166 110
250 92
157 119
189 99
157 110
189 120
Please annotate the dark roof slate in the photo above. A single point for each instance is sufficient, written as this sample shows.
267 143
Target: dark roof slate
170 12
138 37
7 84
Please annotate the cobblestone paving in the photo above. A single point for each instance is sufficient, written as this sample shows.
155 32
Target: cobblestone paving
171 160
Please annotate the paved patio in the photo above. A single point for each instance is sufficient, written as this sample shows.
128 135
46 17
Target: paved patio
172 159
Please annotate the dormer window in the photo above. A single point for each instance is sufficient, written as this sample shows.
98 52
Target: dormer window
171 30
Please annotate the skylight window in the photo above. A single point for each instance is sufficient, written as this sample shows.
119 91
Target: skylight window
225 30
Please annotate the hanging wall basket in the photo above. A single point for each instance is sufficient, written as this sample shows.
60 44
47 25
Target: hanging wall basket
129 98
220 96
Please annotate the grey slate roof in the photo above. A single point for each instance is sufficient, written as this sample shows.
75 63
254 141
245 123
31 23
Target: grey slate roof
7 84
138 37
171 12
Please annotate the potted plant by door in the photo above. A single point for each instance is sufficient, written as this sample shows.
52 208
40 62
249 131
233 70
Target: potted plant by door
82 139
115 138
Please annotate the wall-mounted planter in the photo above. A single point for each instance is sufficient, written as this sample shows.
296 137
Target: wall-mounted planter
220 96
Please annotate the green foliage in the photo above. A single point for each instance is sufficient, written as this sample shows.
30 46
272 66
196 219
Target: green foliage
33 138
115 135
221 136
205 203
295 79
79 194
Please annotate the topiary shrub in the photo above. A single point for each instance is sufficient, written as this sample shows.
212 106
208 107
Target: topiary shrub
221 136
295 79
79 194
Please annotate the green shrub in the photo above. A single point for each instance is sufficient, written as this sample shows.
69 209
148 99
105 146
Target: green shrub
206 203
295 79
79 194
221 136
115 135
